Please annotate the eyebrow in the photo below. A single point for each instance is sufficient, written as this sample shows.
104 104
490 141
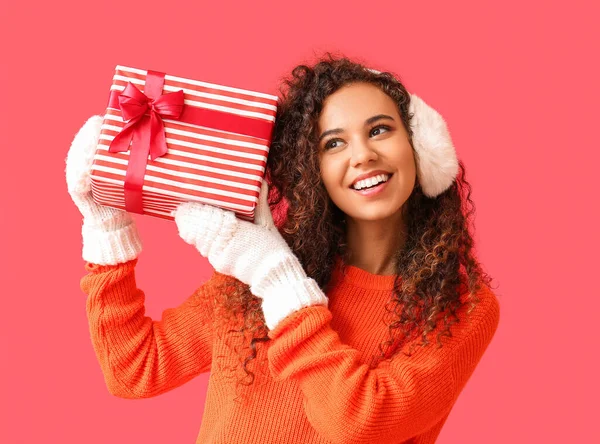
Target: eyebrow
369 121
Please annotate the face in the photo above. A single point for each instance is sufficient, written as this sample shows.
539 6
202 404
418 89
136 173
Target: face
361 132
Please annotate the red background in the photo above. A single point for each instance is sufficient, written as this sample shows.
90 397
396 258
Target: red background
517 84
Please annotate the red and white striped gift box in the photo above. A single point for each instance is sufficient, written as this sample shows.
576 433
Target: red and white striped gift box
202 163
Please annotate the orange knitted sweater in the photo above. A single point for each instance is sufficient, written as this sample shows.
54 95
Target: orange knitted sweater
315 384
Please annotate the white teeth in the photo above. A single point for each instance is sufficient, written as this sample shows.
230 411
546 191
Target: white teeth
371 181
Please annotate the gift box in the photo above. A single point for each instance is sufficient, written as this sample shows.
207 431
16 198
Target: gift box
167 140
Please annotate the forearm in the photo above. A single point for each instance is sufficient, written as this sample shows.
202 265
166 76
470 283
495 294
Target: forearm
140 357
113 246
285 288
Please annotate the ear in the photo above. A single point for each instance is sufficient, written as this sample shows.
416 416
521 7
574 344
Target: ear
263 216
436 159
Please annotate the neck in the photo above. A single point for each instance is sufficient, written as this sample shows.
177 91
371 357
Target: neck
372 245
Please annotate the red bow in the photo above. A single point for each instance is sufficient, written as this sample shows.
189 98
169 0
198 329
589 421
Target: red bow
134 104
145 134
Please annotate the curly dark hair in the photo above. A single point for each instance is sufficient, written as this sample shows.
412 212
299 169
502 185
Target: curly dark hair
436 264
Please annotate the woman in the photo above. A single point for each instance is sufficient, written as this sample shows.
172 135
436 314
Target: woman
364 308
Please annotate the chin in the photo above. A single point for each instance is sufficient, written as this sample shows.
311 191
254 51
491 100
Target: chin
372 216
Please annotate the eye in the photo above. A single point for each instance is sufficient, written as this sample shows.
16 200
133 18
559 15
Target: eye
387 128
328 144
378 127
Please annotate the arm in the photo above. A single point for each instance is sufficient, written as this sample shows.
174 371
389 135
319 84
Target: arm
141 357
347 402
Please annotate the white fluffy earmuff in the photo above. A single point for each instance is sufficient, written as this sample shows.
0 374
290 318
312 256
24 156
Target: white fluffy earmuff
437 164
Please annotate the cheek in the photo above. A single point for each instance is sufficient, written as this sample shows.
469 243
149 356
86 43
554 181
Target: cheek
332 186
406 161
412 166
332 178
329 175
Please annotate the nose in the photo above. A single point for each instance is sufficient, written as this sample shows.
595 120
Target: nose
362 152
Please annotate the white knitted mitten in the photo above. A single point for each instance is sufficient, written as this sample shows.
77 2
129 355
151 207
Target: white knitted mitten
109 235
254 253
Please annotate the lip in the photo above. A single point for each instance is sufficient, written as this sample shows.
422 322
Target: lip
369 174
373 191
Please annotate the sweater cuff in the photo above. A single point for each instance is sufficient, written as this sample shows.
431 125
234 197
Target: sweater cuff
282 300
110 247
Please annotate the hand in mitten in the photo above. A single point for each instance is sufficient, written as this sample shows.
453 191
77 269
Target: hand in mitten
109 235
254 253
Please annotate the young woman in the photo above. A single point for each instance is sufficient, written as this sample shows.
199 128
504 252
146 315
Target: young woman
357 318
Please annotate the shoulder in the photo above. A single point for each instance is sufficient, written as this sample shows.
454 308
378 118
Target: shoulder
217 287
486 310
221 282
479 318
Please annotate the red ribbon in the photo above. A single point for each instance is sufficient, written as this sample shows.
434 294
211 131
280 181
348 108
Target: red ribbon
147 132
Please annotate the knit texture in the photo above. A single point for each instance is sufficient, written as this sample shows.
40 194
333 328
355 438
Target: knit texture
254 253
114 240
109 235
315 385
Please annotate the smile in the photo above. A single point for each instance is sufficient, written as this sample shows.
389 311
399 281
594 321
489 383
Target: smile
373 191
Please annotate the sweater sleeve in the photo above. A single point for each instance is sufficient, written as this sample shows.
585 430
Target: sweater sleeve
346 401
141 357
